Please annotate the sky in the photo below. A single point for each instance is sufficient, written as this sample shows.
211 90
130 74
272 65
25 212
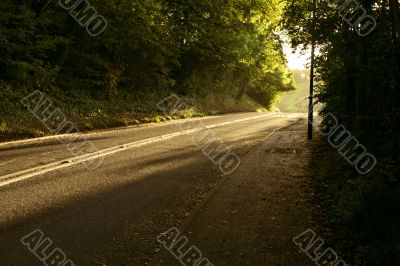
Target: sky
296 60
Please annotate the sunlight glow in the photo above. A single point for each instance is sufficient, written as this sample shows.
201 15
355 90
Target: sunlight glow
296 60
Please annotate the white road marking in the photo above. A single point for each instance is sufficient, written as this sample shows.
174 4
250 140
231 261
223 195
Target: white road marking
26 174
56 138
6 162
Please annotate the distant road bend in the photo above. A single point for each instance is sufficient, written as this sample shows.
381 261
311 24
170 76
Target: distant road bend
150 179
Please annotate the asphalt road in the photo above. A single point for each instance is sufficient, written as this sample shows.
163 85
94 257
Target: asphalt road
113 214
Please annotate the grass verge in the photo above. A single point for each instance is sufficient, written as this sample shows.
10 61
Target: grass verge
87 113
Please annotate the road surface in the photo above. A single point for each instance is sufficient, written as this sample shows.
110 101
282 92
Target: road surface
113 214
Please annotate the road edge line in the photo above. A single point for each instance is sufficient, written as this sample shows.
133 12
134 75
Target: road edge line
39 170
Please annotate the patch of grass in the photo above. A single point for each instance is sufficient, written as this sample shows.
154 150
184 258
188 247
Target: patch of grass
295 101
223 104
3 127
88 113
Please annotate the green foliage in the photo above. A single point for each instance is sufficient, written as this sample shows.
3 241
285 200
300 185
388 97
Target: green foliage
151 45
358 81
224 49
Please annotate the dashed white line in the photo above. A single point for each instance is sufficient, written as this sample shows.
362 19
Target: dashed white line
29 173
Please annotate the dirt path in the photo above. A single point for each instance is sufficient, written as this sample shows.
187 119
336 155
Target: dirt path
253 216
